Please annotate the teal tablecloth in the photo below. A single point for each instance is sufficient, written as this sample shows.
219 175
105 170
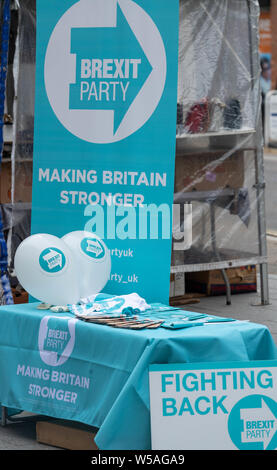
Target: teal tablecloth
56 365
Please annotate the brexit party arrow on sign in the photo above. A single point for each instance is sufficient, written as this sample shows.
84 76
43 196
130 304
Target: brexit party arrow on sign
105 69
259 424
111 68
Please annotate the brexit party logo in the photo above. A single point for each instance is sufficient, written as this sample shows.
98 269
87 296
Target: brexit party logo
93 248
105 69
52 260
252 423
56 339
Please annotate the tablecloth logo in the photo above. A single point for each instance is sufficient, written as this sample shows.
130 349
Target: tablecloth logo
56 339
112 69
93 248
52 260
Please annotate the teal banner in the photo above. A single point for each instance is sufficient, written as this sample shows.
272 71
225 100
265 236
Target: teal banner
105 127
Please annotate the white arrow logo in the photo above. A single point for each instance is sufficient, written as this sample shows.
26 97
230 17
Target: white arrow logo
53 259
97 125
93 246
259 424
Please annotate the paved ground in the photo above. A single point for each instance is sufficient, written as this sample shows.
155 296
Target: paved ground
272 254
270 170
21 436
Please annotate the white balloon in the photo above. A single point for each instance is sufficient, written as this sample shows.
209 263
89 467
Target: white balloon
46 269
93 259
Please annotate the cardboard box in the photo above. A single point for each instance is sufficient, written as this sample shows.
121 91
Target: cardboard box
242 279
205 172
5 182
23 182
177 284
20 297
66 435
177 280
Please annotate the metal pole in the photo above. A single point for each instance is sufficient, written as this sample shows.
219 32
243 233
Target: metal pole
260 188
259 166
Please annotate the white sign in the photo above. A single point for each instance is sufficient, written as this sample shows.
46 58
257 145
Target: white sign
271 118
214 406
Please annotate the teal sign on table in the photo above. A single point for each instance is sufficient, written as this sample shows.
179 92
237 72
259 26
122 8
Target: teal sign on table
105 125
